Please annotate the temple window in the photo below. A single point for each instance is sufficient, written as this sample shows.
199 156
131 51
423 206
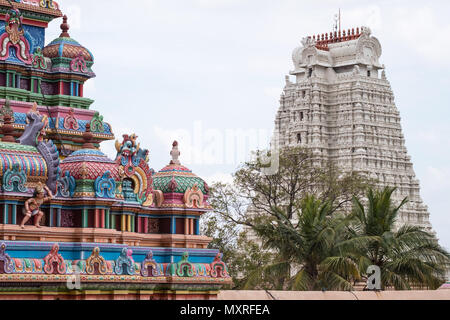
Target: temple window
299 138
301 116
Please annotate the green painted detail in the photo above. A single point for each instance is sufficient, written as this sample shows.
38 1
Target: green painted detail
53 100
27 263
183 183
85 218
97 123
62 62
17 147
85 186
113 221
31 15
107 218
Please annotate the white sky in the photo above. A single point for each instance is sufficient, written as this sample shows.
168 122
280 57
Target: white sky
205 71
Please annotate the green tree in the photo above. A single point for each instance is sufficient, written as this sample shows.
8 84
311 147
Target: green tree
298 175
241 255
306 254
409 257
269 205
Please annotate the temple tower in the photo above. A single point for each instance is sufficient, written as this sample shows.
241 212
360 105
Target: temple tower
67 211
51 76
341 106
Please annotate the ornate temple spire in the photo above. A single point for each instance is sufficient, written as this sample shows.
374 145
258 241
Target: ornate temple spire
175 153
65 28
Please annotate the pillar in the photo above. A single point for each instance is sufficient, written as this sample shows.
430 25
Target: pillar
61 87
50 223
97 218
5 213
58 217
139 224
128 223
133 222
197 226
113 221
186 226
173 226
107 219
102 216
123 225
191 226
14 214
84 217
146 224
81 89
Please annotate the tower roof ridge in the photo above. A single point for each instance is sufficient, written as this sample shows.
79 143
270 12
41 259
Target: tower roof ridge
323 40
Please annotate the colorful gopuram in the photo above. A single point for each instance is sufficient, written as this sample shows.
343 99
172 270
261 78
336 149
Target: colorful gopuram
75 224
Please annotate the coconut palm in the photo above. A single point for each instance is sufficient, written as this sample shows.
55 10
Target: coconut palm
307 254
408 257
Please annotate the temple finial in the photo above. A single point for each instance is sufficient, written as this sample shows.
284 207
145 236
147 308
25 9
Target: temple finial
65 28
175 153
88 138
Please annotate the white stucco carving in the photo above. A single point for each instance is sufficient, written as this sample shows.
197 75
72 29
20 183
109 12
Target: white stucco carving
341 105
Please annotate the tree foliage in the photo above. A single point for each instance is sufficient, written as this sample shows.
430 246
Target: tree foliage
408 257
306 228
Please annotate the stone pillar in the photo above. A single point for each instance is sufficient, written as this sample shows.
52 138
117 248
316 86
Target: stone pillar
85 218
107 219
146 220
173 225
96 218
58 217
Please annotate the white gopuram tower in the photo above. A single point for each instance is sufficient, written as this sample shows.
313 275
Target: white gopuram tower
342 107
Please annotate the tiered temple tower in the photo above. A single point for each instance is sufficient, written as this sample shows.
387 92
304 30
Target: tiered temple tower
341 106
109 228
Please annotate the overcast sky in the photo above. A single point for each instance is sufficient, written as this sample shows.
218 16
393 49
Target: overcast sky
204 72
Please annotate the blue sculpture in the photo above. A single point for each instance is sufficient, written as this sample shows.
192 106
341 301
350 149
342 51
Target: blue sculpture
14 179
125 263
105 186
65 185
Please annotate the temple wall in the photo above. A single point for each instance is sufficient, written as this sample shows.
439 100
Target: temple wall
333 295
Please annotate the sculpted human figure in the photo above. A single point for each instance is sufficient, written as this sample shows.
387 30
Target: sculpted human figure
32 205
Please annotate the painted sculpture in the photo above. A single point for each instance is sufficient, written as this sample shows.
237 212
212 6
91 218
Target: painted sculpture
14 37
32 206
133 162
120 226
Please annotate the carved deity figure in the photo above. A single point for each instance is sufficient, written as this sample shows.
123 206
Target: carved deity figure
32 205
175 153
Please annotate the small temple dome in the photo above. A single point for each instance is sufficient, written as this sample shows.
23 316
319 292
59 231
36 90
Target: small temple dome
66 47
22 160
176 178
93 173
89 164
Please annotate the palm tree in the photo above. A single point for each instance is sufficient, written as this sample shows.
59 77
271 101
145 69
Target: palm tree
308 249
409 257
